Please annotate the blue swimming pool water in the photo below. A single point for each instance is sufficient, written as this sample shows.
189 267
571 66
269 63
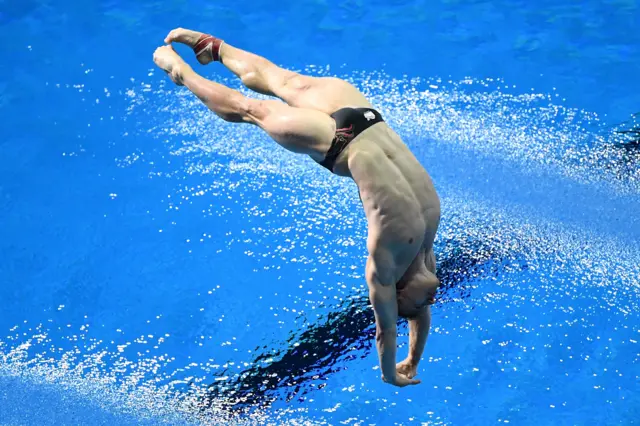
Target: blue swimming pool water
159 266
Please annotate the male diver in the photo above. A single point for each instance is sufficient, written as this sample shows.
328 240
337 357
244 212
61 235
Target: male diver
329 120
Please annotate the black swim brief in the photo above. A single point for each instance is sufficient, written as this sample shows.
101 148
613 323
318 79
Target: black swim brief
350 122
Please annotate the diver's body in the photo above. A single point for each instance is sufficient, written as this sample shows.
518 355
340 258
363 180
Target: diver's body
332 122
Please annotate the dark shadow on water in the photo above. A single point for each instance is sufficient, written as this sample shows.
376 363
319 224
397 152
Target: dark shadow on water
346 333
622 151
630 132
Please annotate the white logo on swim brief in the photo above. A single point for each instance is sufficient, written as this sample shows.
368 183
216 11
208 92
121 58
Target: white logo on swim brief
369 115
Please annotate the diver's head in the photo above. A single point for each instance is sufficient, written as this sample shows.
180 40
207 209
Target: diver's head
414 296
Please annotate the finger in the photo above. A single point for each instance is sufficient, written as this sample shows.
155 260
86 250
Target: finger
415 382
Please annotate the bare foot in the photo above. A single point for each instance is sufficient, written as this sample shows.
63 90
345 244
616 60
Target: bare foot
190 38
170 62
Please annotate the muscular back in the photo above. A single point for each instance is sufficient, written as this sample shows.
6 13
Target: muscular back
397 193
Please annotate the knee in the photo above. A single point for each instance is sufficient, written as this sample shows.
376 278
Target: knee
251 79
231 117
296 82
244 110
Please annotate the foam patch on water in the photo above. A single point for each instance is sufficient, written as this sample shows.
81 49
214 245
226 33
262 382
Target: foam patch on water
297 213
101 373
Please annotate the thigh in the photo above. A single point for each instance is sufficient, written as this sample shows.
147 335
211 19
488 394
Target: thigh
325 94
299 130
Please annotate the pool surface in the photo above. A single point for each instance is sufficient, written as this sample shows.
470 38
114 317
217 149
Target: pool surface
161 266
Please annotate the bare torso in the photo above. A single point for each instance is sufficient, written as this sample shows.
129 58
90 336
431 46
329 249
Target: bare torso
398 196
